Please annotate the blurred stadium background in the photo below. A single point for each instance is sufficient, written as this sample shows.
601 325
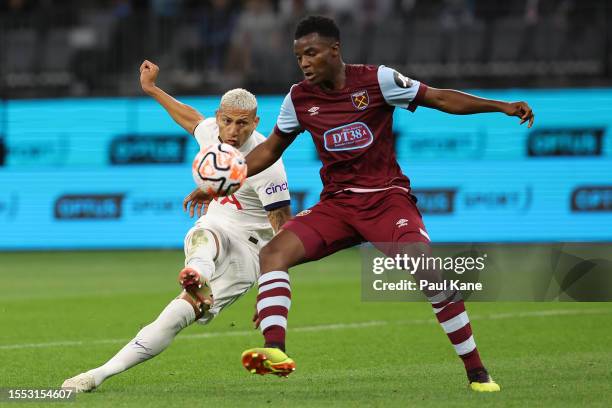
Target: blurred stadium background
58 48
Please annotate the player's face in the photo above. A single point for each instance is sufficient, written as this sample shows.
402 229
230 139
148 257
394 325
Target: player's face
236 125
317 57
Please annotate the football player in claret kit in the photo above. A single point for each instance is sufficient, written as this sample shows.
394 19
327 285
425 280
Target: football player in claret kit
348 110
222 249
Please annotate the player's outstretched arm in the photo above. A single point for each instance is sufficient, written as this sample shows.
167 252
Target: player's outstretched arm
267 153
186 116
460 103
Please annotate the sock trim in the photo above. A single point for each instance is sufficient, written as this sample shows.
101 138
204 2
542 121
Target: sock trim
282 301
466 347
274 320
455 323
274 285
268 276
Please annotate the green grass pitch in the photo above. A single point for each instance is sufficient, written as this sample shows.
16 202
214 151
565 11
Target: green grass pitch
65 312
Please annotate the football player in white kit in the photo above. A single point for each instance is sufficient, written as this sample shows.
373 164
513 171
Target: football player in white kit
222 249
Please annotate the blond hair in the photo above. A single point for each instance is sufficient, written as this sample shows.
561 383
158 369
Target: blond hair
239 99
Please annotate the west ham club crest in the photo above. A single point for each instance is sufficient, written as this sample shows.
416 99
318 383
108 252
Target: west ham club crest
360 99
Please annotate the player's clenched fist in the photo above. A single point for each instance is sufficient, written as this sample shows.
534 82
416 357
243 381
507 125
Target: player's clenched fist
148 75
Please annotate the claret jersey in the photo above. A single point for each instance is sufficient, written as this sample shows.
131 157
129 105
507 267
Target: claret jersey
352 127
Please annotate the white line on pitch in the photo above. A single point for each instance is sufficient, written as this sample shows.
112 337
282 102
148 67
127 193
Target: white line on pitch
323 327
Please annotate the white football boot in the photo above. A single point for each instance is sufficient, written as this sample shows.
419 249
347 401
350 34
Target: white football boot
81 383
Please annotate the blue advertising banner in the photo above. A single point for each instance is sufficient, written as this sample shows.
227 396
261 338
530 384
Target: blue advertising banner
140 207
93 132
103 208
112 173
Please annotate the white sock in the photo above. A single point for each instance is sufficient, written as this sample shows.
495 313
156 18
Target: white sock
150 341
201 253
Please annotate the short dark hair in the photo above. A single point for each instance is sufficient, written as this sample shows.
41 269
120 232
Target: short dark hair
325 27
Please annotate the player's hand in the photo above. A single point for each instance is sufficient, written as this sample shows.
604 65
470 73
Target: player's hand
197 202
521 110
256 319
148 75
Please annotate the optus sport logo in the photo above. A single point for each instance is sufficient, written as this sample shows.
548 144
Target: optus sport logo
275 188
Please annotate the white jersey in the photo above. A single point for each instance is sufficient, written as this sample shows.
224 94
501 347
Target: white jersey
247 208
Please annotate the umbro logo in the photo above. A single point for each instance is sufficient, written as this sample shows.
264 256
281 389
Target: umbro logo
402 222
314 110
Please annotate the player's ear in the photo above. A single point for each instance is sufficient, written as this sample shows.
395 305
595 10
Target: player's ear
256 121
335 47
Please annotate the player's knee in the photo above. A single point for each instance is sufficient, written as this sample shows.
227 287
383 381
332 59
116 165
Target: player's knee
199 237
272 257
203 241
413 249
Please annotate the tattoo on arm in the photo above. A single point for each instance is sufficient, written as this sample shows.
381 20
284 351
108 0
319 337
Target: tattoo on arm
279 216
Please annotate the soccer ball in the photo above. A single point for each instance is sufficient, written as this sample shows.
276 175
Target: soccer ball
219 170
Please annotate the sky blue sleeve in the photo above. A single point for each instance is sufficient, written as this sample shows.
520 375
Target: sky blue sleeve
287 121
397 89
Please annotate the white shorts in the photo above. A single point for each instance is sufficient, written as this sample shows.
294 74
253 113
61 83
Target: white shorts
236 266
